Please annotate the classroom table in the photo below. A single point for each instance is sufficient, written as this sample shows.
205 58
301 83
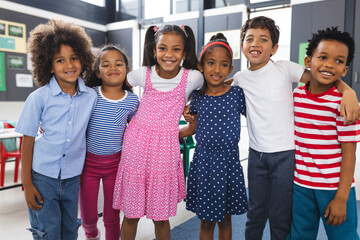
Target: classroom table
9 133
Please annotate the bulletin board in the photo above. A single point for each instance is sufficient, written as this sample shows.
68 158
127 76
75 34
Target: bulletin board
2 72
302 52
12 37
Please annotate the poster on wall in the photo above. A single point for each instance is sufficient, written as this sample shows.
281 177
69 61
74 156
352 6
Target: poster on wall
12 37
16 62
24 80
2 29
233 38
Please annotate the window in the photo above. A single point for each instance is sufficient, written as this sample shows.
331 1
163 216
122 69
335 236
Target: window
156 8
266 3
129 9
181 6
100 3
282 18
224 3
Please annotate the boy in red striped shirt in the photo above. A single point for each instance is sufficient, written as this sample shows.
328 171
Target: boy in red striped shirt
325 147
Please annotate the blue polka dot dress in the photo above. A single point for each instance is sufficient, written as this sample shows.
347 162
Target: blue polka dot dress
216 183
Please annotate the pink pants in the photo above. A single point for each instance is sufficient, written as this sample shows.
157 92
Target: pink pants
99 167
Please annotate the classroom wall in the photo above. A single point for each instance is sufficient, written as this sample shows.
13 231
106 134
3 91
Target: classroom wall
356 63
76 9
123 37
308 18
11 110
14 93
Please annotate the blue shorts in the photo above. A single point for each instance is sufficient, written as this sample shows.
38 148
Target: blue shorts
57 219
309 206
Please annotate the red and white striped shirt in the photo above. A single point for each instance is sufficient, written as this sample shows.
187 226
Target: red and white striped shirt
319 130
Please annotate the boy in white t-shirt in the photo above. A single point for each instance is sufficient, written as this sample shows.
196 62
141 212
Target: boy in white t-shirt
270 117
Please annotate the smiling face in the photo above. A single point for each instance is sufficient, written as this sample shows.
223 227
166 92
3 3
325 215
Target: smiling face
66 67
327 64
169 52
112 68
258 47
216 66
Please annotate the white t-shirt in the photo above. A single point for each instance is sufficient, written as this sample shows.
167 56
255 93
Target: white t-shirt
269 104
137 78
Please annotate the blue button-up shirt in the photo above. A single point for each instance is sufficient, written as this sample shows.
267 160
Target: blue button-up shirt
62 146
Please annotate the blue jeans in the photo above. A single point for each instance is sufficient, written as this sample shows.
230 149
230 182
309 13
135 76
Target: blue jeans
309 206
57 219
271 177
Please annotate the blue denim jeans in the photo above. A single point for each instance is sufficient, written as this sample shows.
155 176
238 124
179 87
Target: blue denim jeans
309 206
270 177
57 219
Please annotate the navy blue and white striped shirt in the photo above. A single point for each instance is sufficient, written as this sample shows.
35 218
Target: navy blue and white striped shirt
108 123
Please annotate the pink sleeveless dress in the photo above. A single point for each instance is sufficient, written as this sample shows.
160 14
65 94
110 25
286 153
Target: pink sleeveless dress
150 180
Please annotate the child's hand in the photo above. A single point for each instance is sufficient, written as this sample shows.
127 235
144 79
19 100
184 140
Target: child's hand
33 197
229 81
188 117
336 211
350 109
41 130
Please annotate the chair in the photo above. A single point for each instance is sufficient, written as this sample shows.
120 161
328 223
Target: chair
5 155
7 125
186 145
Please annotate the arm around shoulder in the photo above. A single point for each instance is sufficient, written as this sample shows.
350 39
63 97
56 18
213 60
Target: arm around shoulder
349 108
306 76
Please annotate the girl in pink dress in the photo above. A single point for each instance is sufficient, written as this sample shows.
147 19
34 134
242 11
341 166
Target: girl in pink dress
150 179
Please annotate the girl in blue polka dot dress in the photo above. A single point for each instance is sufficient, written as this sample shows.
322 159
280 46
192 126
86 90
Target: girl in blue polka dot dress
216 187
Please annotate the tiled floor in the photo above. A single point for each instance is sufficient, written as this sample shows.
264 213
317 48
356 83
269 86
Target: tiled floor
14 218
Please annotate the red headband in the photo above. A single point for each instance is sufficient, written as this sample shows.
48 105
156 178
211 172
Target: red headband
215 43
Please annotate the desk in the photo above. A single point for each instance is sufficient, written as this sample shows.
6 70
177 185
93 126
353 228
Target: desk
8 133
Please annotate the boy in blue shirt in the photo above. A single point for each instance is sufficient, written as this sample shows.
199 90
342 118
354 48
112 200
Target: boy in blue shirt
52 161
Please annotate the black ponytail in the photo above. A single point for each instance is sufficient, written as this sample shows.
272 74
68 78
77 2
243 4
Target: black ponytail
149 46
190 61
152 35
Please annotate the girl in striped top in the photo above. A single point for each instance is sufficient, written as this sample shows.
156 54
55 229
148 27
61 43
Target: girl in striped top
115 106
325 147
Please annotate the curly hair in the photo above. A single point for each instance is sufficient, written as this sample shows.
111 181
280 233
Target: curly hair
45 41
262 23
93 80
332 34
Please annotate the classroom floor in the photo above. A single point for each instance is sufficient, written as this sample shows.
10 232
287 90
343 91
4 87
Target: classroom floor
14 217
